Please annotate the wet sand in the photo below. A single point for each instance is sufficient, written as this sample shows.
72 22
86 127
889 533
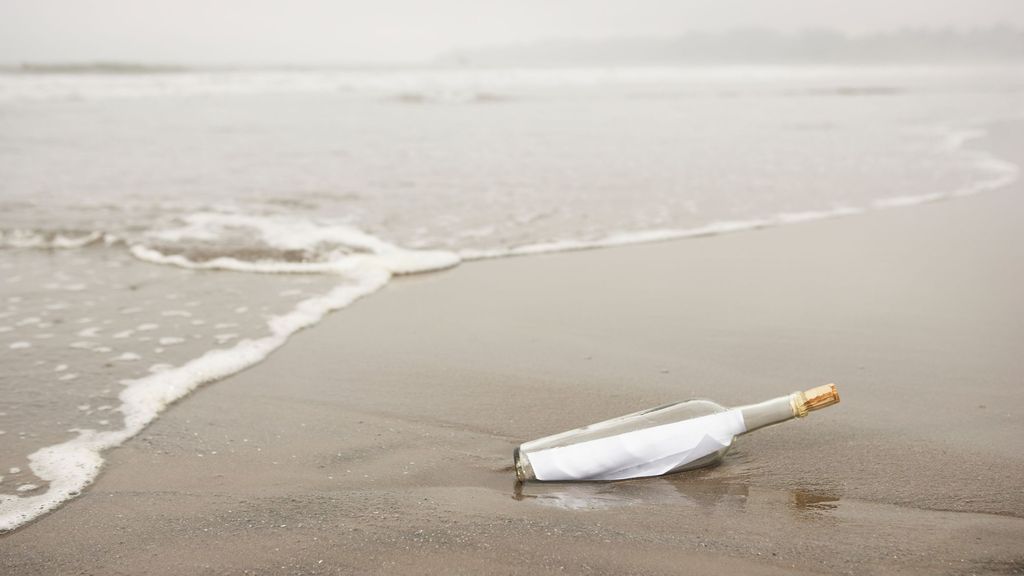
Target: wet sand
380 441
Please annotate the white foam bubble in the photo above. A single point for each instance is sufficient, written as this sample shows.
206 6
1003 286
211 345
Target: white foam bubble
21 345
352 248
47 240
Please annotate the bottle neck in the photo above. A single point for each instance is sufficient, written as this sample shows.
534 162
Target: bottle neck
787 407
770 412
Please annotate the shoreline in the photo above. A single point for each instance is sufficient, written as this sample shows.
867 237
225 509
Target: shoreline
142 404
388 428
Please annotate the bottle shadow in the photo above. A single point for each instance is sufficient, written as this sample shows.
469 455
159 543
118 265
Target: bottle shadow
704 493
646 492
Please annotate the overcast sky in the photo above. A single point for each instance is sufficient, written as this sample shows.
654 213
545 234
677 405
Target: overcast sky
337 31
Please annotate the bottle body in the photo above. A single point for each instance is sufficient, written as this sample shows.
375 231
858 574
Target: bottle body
669 438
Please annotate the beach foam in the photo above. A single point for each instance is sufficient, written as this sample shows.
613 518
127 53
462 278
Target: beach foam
70 466
18 238
361 262
994 173
312 247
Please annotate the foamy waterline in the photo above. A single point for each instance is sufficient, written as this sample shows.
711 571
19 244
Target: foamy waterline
69 467
353 248
1001 173
50 240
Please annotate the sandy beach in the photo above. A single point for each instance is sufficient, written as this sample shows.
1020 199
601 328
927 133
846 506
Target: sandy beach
380 441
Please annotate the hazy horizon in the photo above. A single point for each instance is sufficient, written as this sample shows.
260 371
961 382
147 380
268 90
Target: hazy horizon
407 32
740 46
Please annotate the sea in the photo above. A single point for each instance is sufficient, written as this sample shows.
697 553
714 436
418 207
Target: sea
163 229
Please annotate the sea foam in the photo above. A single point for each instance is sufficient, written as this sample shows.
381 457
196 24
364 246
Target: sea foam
994 173
326 247
70 466
21 238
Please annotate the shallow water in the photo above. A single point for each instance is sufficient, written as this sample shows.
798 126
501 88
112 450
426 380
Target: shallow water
160 231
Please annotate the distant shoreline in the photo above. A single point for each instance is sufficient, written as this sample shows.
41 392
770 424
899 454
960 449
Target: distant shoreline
750 47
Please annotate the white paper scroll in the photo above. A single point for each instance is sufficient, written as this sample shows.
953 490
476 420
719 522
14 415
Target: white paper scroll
646 452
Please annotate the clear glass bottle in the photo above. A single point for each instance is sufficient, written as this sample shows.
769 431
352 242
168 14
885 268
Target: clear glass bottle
670 438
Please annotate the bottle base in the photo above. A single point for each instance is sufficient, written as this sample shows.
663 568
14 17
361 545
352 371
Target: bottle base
524 471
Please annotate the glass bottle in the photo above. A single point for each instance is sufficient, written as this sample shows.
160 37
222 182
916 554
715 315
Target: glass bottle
670 438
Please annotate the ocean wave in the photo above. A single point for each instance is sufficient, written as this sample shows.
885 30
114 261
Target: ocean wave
279 245
51 239
994 173
852 91
425 84
659 235
362 263
70 466
450 97
95 68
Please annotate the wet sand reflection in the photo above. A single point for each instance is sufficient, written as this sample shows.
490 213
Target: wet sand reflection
700 493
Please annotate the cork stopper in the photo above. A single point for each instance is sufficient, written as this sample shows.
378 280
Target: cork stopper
816 398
